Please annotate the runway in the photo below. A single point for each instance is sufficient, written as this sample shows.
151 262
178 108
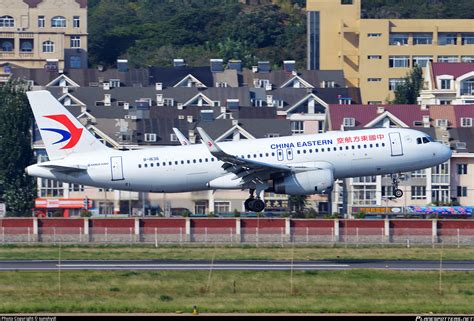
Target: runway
157 265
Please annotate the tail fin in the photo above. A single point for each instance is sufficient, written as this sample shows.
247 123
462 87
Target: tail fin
61 132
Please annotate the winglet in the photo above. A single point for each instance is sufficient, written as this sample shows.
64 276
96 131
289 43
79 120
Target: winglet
182 139
211 145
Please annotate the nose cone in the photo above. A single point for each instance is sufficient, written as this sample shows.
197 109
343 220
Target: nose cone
445 153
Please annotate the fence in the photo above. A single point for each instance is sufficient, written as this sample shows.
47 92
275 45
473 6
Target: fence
252 236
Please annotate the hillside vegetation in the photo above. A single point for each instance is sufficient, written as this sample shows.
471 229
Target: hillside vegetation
151 32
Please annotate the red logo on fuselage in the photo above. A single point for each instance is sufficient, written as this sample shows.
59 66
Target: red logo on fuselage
73 134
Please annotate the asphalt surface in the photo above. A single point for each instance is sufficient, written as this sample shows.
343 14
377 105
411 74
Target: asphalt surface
156 265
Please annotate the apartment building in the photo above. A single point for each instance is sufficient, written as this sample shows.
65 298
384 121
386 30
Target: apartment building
448 83
375 54
50 34
449 183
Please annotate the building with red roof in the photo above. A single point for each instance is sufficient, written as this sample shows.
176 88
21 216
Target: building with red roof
448 83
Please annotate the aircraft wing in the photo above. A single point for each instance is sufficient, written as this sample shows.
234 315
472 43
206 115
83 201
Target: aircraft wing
63 168
182 139
250 171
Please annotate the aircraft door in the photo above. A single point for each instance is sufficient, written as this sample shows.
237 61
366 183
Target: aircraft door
396 144
116 166
289 154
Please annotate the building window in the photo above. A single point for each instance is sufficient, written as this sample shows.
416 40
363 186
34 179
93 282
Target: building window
399 62
374 102
364 195
58 22
26 45
467 59
445 102
7 45
173 138
365 179
422 39
314 40
374 57
440 194
440 174
467 87
75 41
48 46
7 22
374 79
297 127
445 83
393 83
462 169
149 138
168 102
422 61
462 191
418 192
447 39
50 188
398 39
75 62
374 35
349 122
419 174
467 39
222 207
450 59
345 2
76 188
200 207
41 21
466 122
76 21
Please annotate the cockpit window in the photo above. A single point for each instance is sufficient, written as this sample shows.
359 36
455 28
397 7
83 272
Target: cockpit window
425 140
419 141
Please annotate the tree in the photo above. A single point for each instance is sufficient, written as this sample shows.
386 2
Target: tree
298 204
17 189
408 92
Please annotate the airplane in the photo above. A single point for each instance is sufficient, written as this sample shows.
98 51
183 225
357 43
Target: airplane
292 165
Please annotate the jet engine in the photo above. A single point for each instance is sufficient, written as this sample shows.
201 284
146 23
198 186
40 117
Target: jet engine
305 183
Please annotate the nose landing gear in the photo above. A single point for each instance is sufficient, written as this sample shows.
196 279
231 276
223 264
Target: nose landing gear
253 204
398 193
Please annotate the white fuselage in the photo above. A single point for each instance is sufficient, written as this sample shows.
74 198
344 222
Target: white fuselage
193 168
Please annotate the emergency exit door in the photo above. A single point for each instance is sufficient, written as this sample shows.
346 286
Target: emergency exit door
117 168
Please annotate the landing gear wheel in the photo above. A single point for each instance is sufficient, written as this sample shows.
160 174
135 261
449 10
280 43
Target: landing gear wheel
258 206
254 205
247 203
398 193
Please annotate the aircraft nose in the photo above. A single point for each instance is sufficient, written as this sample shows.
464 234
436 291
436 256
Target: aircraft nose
445 152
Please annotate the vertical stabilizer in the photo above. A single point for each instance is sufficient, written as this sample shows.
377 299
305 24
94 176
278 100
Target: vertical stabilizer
61 132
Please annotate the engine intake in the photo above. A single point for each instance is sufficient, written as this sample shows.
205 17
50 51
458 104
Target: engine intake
305 183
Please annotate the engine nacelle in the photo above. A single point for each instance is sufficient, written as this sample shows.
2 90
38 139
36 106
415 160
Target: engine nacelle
305 183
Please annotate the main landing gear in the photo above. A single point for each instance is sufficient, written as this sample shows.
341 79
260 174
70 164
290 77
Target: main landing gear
253 204
398 193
